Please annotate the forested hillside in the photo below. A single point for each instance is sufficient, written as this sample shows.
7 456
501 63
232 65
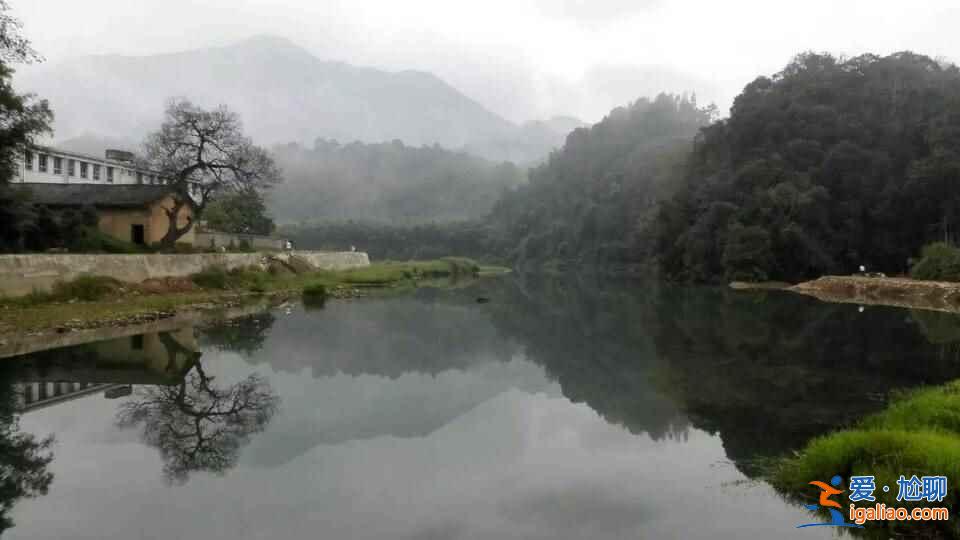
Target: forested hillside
824 166
594 201
386 183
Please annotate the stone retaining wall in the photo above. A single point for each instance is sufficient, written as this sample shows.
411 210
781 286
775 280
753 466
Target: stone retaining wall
21 274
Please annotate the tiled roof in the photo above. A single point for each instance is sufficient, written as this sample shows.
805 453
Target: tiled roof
109 195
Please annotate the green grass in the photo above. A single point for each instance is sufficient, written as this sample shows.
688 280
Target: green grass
84 288
918 433
238 279
394 272
98 298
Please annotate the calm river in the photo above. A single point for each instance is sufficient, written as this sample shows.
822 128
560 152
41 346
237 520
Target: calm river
557 410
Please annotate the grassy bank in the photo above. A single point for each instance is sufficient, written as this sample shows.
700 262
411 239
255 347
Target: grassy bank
92 300
918 434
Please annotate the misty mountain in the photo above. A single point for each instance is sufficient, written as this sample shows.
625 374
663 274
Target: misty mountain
529 144
386 183
283 94
94 144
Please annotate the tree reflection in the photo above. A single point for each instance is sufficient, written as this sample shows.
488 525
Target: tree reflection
244 335
765 371
23 458
196 425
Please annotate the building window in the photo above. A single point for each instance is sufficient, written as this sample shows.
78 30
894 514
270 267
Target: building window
57 165
71 166
28 160
96 171
139 178
110 174
42 162
83 169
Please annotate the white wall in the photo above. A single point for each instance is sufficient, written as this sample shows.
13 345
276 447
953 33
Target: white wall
122 173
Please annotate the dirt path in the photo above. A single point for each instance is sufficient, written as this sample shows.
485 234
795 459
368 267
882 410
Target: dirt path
898 292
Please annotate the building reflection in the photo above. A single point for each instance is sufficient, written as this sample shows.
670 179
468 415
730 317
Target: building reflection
163 392
111 368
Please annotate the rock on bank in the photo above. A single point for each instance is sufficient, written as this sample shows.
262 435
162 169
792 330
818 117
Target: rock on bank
899 292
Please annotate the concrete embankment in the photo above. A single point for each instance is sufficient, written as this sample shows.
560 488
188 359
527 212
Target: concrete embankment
897 292
21 274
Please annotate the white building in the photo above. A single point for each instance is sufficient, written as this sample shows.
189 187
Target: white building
45 165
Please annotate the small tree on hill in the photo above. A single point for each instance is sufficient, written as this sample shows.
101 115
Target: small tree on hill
22 117
204 155
243 211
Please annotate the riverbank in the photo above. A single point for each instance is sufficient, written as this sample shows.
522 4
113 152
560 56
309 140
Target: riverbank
92 302
918 434
897 292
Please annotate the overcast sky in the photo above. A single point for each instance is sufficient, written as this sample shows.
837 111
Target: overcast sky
522 59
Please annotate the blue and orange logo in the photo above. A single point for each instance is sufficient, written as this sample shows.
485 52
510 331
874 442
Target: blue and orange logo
827 491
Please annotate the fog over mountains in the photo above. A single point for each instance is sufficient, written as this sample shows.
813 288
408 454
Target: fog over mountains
284 94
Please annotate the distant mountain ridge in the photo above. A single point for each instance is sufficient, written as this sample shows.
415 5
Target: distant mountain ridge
283 93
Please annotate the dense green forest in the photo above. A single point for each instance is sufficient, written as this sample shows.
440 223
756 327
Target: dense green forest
828 165
386 183
825 166
594 201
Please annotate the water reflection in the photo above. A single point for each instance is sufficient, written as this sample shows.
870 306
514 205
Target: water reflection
163 390
196 425
560 409
24 458
765 371
244 335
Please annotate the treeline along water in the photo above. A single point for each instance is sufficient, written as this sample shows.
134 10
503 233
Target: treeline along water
827 165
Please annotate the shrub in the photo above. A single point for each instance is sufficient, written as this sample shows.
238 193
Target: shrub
462 266
315 295
257 282
316 290
87 288
939 262
211 277
92 240
251 278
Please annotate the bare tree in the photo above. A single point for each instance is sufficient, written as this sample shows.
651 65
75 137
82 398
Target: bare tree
203 154
14 47
197 426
